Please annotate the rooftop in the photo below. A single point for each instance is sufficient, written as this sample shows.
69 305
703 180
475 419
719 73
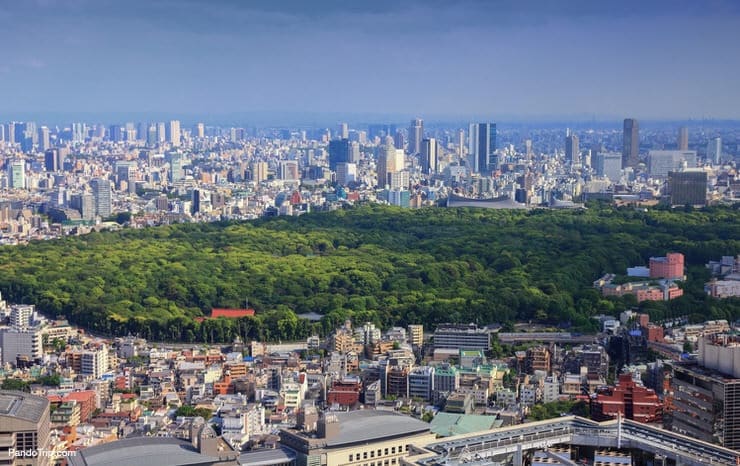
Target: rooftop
141 451
22 405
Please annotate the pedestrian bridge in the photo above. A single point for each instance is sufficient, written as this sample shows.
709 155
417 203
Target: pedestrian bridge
485 448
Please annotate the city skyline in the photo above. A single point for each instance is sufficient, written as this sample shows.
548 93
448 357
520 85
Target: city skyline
471 60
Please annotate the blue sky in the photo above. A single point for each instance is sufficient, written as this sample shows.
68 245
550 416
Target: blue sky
648 59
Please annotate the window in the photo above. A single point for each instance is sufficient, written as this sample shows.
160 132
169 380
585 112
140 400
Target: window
372 454
407 447
350 457
364 455
393 450
386 451
393 461
380 452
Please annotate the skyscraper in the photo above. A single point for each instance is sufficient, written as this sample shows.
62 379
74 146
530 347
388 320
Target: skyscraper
17 174
343 132
429 156
714 150
173 133
79 133
683 138
44 141
259 171
630 143
51 160
390 160
482 148
416 134
338 152
608 165
115 133
199 130
572 154
101 190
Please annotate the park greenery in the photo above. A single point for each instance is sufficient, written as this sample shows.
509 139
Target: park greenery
378 264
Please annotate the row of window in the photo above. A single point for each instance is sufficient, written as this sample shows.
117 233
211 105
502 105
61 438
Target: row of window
380 452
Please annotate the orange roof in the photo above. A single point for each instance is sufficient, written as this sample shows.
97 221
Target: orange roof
80 396
231 313
54 398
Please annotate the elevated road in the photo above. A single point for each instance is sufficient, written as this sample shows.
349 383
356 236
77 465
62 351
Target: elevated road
489 447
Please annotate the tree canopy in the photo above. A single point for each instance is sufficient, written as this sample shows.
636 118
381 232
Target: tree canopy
380 264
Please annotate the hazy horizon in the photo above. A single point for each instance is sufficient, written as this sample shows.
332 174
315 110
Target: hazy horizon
474 59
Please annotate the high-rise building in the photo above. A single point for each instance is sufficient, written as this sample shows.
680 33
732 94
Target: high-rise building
416 334
177 167
714 150
259 171
24 428
173 133
288 170
461 143
17 174
706 392
199 130
79 133
338 152
2 132
161 132
343 132
683 138
51 160
660 162
630 143
390 160
609 165
101 190
482 148
572 154
687 187
429 156
416 134
44 138
151 136
346 173
115 133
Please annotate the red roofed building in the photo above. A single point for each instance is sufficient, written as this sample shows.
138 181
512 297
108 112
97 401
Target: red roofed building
85 399
670 266
629 399
228 313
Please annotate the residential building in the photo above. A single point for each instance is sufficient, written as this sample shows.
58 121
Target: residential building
628 399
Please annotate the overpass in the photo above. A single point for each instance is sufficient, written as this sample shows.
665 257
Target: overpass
478 449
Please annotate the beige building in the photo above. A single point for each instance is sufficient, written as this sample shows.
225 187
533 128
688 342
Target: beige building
362 438
416 334
24 427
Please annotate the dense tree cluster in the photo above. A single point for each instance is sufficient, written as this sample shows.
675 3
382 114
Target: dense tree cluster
371 263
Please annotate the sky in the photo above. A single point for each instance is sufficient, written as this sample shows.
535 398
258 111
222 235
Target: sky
660 59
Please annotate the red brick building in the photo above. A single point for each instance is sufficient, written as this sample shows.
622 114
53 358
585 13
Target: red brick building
670 266
629 399
345 392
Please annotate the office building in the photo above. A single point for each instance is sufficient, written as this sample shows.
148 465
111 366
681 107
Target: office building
714 150
339 151
44 138
683 138
660 162
482 156
24 427
343 131
115 133
79 133
429 156
53 161
572 154
173 133
608 165
346 173
390 160
199 130
421 382
462 336
288 170
21 344
259 171
687 188
17 174
706 393
101 191
416 134
630 143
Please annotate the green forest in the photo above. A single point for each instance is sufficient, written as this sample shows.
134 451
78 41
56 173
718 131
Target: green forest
387 265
